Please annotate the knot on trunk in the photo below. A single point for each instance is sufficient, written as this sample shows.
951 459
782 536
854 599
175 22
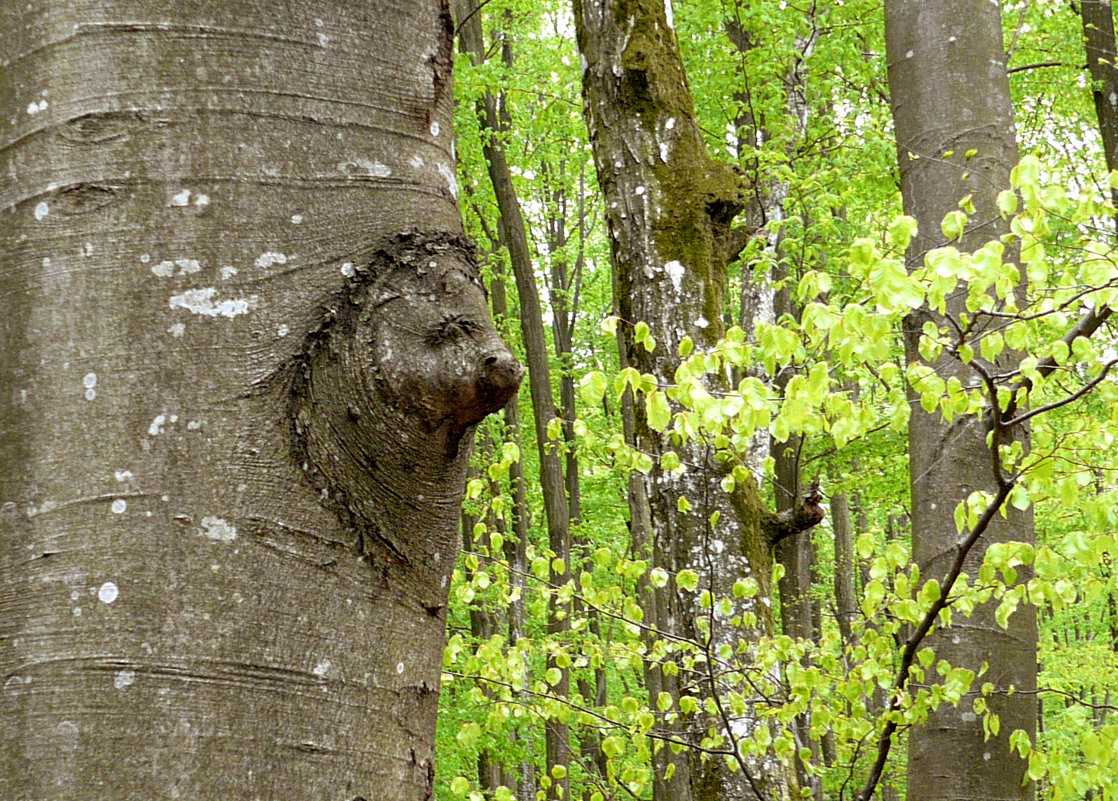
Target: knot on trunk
806 514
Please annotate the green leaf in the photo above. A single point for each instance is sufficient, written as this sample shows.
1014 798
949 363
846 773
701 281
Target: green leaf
658 411
687 580
592 387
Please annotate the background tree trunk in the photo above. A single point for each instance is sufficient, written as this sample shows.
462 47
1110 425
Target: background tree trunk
222 362
950 96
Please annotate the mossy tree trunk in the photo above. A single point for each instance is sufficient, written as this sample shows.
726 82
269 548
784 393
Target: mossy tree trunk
243 347
669 209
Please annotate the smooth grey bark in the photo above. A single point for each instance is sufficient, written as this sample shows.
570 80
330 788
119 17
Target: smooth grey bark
226 354
950 95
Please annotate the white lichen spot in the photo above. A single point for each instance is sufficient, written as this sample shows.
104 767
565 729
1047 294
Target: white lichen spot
416 162
89 380
87 249
75 595
1113 98
986 756
321 668
669 124
323 40
144 258
451 181
107 592
434 129
702 322
668 13
950 38
969 717
165 269
674 269
399 667
177 330
35 106
318 23
217 529
194 425
227 272
77 611
639 190
123 475
201 301
283 330
119 505
124 678
181 199
41 210
156 427
296 219
347 269
909 54
201 200
665 149
270 257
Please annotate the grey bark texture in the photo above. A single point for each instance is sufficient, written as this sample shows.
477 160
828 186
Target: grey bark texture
240 335
950 95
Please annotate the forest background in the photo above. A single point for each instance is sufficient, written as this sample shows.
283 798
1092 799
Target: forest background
559 678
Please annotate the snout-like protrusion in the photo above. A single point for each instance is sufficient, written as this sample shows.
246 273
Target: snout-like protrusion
501 374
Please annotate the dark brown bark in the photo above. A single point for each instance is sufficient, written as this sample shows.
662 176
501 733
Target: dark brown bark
955 137
202 280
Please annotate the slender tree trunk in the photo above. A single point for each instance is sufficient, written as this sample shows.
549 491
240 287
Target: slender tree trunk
955 137
515 237
224 366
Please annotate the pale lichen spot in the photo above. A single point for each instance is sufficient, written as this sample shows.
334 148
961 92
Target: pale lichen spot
201 301
434 129
41 210
451 181
639 190
675 271
416 162
201 200
702 322
118 506
399 667
124 678
909 54
668 13
216 528
35 106
347 269
177 330
107 592
77 611
156 427
87 249
227 272
270 257
296 219
123 475
323 40
322 667
181 198
165 269
89 380
194 425
283 330
669 124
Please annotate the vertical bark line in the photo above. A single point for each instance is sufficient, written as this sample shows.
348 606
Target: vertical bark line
960 69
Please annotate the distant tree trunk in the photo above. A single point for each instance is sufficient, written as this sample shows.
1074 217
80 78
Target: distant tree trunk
955 137
515 237
669 207
240 336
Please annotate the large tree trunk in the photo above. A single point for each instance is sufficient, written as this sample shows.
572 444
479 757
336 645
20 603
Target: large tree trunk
955 137
668 210
242 350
